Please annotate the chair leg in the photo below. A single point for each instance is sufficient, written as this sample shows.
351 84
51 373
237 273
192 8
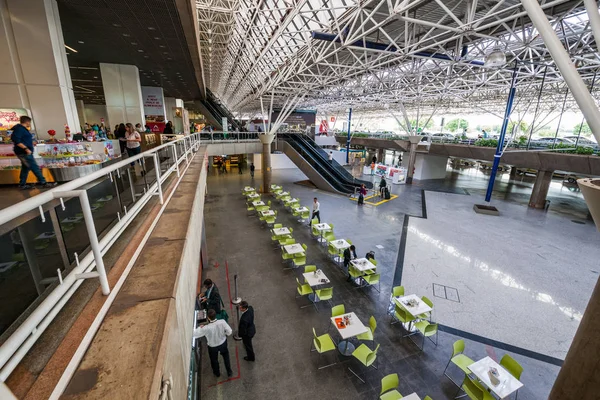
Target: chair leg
356 375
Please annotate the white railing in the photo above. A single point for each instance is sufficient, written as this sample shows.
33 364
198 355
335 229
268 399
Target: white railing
24 337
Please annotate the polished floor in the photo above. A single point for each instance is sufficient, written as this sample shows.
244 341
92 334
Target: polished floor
285 368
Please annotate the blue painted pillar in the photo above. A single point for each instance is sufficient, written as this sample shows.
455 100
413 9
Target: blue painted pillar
348 140
498 154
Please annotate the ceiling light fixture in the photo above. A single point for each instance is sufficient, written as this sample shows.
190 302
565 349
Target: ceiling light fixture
496 58
70 48
140 50
80 41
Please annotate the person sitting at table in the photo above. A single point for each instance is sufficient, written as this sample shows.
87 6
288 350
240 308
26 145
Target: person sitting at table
349 254
211 299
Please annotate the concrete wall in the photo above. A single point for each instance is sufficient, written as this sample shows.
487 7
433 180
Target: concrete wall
278 161
429 167
218 149
93 113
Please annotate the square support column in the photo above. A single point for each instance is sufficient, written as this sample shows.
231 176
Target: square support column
123 94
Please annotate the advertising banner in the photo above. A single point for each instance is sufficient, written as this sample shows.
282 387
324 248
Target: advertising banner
154 108
9 117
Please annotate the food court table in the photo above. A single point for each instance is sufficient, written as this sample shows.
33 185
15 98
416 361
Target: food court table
249 189
289 201
413 304
258 203
363 265
315 279
412 396
354 328
267 213
508 384
300 210
323 227
340 245
295 248
281 231
253 196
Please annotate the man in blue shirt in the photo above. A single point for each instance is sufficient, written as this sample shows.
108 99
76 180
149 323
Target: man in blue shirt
23 141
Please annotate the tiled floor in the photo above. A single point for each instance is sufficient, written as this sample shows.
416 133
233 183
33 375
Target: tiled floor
285 369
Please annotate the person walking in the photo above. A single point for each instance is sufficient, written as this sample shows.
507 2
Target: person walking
330 156
23 148
382 186
240 164
349 254
252 170
362 193
211 298
372 169
216 332
247 330
224 166
134 141
316 213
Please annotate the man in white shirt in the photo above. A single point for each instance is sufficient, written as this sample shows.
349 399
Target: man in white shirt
216 333
315 211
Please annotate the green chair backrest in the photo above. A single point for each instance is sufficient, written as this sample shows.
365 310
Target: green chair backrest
310 268
372 356
372 324
430 329
511 366
349 241
304 246
427 301
326 293
458 347
340 309
398 291
291 230
472 390
373 261
276 226
427 398
389 382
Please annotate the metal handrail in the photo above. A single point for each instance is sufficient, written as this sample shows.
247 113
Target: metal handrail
23 338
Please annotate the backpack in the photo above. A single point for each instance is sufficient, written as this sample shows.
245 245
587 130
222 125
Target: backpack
387 195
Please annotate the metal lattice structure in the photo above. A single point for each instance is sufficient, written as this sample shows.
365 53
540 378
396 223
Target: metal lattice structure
424 55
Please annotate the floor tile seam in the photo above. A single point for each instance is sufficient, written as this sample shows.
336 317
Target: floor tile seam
502 345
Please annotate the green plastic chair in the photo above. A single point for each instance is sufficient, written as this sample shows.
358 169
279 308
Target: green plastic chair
322 344
426 315
401 315
366 356
315 232
314 221
338 310
459 359
286 240
397 291
299 261
475 391
428 330
277 226
303 290
389 386
349 241
513 368
304 216
372 280
373 261
333 252
285 257
310 268
325 294
427 398
369 335
328 236
270 220
354 273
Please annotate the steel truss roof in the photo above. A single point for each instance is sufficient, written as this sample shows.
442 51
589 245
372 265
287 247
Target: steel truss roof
411 54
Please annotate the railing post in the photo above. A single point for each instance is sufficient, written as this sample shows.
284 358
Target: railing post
175 159
158 173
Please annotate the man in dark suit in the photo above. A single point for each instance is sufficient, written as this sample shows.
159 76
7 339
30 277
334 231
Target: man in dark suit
349 254
211 298
247 330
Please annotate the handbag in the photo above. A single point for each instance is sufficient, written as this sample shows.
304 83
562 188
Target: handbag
223 314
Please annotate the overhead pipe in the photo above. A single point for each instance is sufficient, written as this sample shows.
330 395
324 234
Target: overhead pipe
330 37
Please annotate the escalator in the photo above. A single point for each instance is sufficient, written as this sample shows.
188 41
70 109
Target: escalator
219 111
313 161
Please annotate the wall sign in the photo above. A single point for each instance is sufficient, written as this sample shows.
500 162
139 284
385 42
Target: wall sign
154 108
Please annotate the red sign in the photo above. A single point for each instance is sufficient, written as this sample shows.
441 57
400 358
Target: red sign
157 127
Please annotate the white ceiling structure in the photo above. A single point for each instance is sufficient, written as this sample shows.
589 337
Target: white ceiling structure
414 55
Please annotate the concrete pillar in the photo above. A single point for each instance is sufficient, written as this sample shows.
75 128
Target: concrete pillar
579 377
123 94
430 167
414 142
380 156
34 72
540 189
266 140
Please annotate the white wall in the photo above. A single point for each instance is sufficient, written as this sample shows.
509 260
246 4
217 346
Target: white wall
278 161
429 167
123 94
169 108
93 113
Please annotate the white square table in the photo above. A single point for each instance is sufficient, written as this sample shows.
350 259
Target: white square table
249 189
258 203
412 396
253 196
362 264
418 309
340 245
290 201
267 213
282 194
295 248
46 235
323 227
314 280
281 231
508 383
71 220
300 209
355 328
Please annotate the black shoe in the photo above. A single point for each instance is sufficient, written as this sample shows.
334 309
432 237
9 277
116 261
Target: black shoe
48 185
25 187
218 375
229 373
247 359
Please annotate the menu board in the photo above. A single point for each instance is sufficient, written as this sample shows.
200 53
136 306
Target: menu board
154 108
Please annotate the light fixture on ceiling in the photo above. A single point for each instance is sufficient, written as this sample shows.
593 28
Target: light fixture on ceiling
70 48
126 34
496 58
140 50
151 28
209 31
80 41
134 43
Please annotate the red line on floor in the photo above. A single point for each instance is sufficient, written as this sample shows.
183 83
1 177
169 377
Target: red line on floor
491 352
237 356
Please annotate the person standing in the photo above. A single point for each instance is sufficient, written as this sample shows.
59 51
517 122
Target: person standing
120 133
168 129
252 170
211 298
374 160
362 193
216 332
224 165
349 254
138 128
240 165
133 140
382 186
247 330
330 157
316 211
23 148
